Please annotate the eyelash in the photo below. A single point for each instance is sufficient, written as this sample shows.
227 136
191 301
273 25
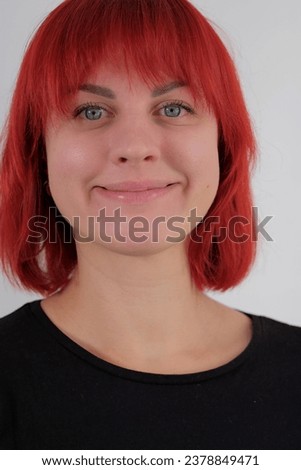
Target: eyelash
177 103
85 106
180 104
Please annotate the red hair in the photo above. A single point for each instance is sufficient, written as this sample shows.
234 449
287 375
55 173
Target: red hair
157 38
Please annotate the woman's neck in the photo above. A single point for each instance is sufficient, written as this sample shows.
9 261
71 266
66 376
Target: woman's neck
129 307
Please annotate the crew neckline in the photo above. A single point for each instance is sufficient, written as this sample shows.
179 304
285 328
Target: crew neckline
141 376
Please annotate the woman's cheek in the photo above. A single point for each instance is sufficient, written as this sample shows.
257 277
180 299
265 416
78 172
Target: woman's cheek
70 160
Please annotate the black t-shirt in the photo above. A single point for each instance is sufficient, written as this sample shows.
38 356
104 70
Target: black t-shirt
56 395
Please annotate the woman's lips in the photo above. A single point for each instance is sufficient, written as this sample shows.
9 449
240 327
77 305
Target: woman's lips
137 185
135 196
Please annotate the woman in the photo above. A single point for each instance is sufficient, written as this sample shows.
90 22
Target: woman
125 195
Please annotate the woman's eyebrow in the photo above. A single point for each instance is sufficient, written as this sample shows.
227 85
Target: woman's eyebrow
108 93
98 90
161 90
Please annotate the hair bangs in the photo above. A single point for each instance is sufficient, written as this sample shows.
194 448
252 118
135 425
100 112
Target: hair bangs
154 39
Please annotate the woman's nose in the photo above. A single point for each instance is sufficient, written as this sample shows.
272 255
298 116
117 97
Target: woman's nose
134 142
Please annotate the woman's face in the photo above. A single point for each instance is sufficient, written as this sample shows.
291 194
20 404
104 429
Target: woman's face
131 163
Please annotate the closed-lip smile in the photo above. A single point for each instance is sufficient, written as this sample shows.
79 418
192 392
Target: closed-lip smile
136 192
136 186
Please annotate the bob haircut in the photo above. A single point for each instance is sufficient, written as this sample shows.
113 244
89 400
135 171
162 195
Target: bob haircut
156 38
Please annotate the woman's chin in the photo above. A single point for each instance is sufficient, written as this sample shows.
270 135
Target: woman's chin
134 242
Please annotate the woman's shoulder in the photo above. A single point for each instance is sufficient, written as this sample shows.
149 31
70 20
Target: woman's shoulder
16 330
278 346
277 330
11 322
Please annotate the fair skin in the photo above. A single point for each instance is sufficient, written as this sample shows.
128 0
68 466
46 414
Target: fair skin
134 304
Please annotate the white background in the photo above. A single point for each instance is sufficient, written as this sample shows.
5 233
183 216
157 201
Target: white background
265 40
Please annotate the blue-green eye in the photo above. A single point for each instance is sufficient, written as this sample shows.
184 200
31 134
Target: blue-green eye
172 111
92 114
175 108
